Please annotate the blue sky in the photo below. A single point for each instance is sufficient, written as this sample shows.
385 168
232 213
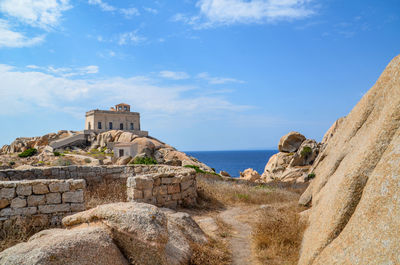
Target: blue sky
204 74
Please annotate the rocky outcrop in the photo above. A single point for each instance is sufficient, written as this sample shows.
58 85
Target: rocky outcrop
250 174
355 214
290 142
81 246
144 233
293 162
111 234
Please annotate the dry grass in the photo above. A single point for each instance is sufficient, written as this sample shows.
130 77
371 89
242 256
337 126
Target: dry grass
217 194
20 229
108 191
216 251
277 234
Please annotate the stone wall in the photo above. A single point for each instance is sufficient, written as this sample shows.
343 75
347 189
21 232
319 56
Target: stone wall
91 174
167 189
50 199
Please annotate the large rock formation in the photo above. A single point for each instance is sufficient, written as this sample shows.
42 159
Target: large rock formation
294 160
355 197
108 234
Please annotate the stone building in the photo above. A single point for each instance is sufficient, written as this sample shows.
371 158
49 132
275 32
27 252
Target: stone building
119 117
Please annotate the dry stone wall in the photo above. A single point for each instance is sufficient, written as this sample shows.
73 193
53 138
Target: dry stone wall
49 199
167 189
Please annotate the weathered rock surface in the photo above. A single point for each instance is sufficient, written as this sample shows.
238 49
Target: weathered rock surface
81 246
295 165
145 234
355 214
291 142
250 174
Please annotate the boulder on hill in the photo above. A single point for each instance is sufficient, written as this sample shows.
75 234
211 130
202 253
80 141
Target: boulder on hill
290 142
355 213
81 246
295 165
250 174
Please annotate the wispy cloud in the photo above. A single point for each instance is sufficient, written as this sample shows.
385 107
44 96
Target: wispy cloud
44 14
67 71
36 89
218 80
174 75
131 37
226 12
13 39
127 12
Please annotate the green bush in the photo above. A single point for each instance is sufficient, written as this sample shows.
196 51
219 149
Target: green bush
311 175
87 160
198 170
11 163
56 153
145 161
28 152
306 151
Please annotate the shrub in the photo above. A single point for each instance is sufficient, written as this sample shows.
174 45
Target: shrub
311 176
198 170
55 153
306 151
63 162
145 161
28 152
87 160
11 163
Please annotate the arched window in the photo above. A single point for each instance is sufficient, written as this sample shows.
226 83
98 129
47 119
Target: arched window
99 125
121 126
132 128
110 125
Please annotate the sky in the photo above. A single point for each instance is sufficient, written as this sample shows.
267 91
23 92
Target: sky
204 74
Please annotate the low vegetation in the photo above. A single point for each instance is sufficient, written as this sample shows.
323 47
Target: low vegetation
28 152
109 191
144 161
306 151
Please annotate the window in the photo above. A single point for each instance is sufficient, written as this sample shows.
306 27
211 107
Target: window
132 126
89 126
121 152
119 108
125 108
121 126
99 125
110 125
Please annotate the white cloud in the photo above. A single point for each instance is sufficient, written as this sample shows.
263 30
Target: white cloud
226 12
218 80
67 71
14 39
45 14
130 38
174 75
127 12
103 5
35 89
150 10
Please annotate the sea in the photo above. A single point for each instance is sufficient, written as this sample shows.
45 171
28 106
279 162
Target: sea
234 162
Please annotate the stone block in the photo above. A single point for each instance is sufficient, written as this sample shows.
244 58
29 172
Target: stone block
76 184
53 198
174 188
163 190
177 196
4 203
54 208
136 194
35 200
166 180
147 193
157 182
59 187
24 190
73 196
186 184
78 207
40 189
171 204
140 182
18 202
7 193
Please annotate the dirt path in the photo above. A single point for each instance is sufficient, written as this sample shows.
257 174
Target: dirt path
241 238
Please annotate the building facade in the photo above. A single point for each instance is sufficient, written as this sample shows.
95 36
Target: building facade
119 117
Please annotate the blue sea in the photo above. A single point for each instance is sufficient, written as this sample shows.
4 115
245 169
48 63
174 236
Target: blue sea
234 161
